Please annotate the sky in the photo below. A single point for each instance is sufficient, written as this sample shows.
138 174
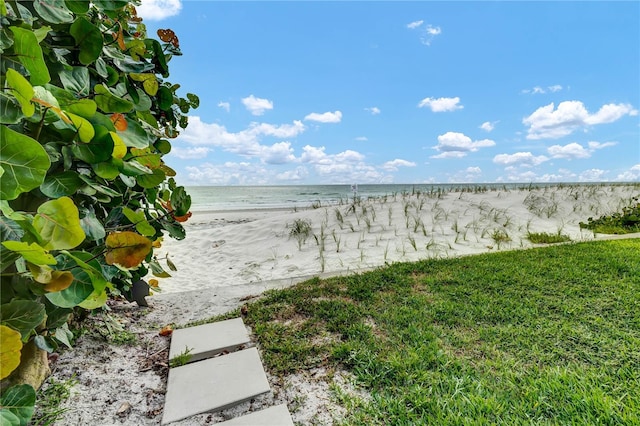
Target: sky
404 92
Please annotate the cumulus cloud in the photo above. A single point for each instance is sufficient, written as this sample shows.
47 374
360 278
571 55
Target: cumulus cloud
297 174
470 174
245 143
325 117
592 175
190 153
373 110
488 126
415 24
345 167
441 104
519 158
393 165
157 10
257 106
225 105
229 173
631 175
575 151
547 122
457 145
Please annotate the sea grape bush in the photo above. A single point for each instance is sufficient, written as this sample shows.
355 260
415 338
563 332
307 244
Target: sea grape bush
626 221
86 114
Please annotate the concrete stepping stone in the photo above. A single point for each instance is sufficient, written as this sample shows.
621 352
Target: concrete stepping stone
272 416
205 341
214 384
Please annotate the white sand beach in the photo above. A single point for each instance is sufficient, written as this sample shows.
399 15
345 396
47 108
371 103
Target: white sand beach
229 257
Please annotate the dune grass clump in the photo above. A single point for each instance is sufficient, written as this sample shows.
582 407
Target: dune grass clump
547 238
300 229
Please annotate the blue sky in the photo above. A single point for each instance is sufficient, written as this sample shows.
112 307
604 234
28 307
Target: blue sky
405 92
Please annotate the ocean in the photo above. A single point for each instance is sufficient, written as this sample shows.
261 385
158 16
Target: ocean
218 198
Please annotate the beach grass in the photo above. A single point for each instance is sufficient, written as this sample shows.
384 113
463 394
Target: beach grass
540 336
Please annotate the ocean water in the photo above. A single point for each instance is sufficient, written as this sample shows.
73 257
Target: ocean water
289 196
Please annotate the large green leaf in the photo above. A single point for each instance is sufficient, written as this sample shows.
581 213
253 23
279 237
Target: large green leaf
107 102
22 90
29 54
106 170
31 252
58 223
86 131
78 6
140 221
10 111
76 293
180 201
99 149
61 184
149 181
88 38
110 4
17 404
135 136
22 315
93 228
165 98
54 11
24 161
85 108
76 80
9 229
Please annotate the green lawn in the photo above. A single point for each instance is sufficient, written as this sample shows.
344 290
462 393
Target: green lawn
540 336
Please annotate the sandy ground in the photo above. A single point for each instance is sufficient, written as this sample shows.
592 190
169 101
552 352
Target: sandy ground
228 258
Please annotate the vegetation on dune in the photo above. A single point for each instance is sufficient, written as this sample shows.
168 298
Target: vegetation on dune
624 222
86 114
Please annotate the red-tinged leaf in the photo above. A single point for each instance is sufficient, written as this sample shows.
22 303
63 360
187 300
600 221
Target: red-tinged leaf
169 36
127 249
119 121
183 218
167 330
60 280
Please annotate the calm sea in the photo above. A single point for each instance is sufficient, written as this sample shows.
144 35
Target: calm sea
289 196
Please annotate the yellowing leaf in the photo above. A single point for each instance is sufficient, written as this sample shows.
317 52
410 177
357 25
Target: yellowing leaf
40 273
119 148
127 249
10 347
31 252
149 82
153 283
86 132
60 280
58 223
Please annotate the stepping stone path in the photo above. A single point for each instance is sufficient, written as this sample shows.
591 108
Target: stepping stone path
222 372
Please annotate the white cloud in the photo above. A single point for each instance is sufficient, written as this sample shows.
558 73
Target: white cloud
549 123
457 145
229 173
373 110
344 167
225 105
415 24
392 166
488 126
325 117
257 106
362 138
190 153
555 88
592 175
517 175
537 90
470 174
427 33
298 174
245 143
441 104
433 30
157 10
569 152
519 158
574 150
631 175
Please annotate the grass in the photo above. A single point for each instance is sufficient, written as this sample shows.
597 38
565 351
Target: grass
539 336
49 398
547 238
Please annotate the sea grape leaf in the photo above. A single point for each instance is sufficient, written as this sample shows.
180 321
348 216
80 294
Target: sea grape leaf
9 229
78 6
152 180
61 184
31 252
108 102
28 51
86 132
22 90
54 11
140 221
76 80
93 228
99 149
119 121
85 108
110 4
180 201
126 249
60 280
163 146
89 38
10 347
194 100
135 136
157 270
10 113
24 161
149 82
40 273
167 170
170 264
119 148
58 223
72 296
106 170
95 300
146 157
64 335
22 315
165 98
18 404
